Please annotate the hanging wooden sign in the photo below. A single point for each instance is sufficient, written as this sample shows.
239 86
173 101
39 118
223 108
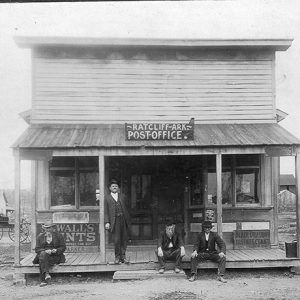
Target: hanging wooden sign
159 131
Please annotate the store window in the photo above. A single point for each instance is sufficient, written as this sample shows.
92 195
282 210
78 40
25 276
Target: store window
227 162
240 181
74 182
247 179
226 188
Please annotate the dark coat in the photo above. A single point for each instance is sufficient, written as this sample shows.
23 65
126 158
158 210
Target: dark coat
164 240
58 244
213 240
110 210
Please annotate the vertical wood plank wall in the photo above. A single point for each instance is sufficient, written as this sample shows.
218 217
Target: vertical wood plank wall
90 86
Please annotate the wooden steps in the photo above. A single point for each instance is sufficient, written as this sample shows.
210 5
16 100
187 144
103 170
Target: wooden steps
146 274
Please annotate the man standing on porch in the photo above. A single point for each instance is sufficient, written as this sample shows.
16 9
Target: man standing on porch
205 249
117 221
170 247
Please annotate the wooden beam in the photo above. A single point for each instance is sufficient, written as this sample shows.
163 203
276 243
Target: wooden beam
219 192
275 190
297 173
30 41
169 151
33 202
101 208
17 206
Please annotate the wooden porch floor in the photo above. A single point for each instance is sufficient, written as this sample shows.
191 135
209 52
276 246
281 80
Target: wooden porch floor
144 258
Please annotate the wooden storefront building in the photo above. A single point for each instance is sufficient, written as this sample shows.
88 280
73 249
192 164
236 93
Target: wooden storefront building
188 127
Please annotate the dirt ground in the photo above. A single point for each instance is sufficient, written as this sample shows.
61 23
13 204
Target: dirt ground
242 284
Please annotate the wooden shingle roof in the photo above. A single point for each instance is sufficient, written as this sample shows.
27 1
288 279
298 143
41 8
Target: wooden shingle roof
102 136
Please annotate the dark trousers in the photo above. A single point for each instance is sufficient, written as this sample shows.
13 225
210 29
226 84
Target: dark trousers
209 256
120 237
45 261
171 254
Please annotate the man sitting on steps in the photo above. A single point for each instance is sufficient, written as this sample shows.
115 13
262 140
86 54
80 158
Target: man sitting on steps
170 247
205 249
50 247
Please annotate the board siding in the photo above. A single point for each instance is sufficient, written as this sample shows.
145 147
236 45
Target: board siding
114 89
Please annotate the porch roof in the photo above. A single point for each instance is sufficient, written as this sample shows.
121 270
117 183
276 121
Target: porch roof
104 135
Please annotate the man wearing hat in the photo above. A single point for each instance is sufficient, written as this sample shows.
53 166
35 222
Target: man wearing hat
50 247
205 249
117 221
170 247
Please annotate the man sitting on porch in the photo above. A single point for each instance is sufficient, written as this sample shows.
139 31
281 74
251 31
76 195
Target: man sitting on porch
205 249
50 247
170 247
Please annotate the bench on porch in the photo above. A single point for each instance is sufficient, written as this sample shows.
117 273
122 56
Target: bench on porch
144 258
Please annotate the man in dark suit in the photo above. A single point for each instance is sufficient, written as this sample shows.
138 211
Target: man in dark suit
205 249
170 247
50 247
117 221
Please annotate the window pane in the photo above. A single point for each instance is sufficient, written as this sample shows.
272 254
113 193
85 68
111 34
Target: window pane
246 185
62 162
197 190
247 160
91 162
226 187
88 186
62 187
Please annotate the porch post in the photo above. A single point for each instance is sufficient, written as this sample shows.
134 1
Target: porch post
275 167
219 192
33 202
17 206
101 209
297 173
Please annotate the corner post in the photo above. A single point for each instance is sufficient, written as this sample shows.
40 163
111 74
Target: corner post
33 202
297 173
219 193
275 167
101 208
17 206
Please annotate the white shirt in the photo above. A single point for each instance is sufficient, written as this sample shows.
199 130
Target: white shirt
115 196
206 236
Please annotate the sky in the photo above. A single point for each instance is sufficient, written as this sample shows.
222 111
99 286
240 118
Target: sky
174 19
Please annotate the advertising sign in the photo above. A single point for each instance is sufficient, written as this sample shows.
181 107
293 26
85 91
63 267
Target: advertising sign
79 237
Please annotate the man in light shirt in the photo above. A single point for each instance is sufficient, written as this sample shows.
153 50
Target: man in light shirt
205 249
170 247
117 221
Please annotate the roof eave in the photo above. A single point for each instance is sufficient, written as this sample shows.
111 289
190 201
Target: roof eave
35 41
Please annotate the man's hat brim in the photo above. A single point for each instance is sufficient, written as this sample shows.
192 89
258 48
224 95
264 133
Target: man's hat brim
48 224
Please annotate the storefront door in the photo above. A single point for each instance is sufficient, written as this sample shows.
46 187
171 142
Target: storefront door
154 188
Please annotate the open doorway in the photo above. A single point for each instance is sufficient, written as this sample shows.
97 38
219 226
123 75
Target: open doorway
154 191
